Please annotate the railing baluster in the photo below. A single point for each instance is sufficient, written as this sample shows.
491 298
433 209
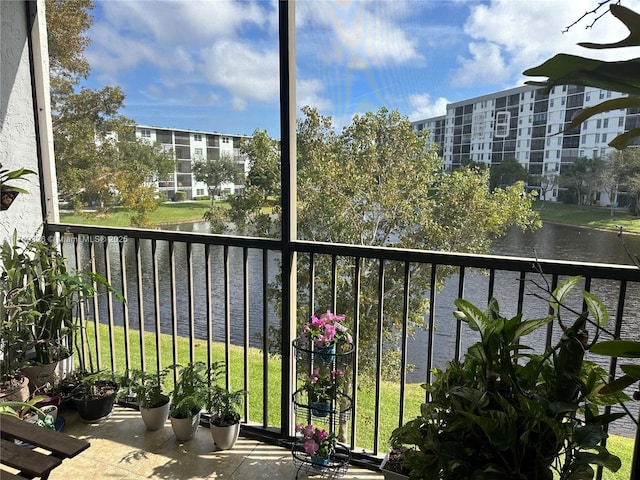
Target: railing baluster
245 320
125 309
192 341
403 345
227 318
376 421
141 319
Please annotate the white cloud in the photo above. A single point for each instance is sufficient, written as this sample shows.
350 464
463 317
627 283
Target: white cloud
362 34
245 72
309 92
423 107
507 37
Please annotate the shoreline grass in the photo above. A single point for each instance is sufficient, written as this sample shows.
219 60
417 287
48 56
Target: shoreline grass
389 392
192 211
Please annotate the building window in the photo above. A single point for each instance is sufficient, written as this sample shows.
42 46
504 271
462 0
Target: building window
225 139
549 129
502 124
587 96
605 123
597 138
598 123
546 154
604 138
620 121
608 93
584 140
558 154
197 137
197 152
601 94
562 100
595 154
144 133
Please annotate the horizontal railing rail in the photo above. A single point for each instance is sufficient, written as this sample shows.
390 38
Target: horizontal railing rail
185 291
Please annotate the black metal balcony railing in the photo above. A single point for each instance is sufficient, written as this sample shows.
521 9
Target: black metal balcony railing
207 290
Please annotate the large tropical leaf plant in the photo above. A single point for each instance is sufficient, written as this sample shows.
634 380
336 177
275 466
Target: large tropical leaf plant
508 412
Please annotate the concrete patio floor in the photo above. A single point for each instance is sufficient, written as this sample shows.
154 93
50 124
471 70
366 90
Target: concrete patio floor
121 448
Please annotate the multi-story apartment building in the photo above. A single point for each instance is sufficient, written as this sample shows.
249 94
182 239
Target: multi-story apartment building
525 124
191 145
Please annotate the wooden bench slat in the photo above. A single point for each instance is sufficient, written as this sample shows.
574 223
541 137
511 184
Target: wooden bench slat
4 475
26 460
61 445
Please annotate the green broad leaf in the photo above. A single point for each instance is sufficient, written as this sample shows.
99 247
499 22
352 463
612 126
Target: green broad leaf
618 385
476 352
589 435
596 308
562 290
19 173
603 458
564 69
607 105
581 472
631 19
529 326
631 370
623 140
472 315
493 310
562 407
473 396
617 348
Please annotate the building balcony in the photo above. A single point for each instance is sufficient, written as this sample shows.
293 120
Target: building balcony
192 296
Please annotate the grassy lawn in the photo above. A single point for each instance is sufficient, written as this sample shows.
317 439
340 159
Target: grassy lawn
389 392
588 216
170 212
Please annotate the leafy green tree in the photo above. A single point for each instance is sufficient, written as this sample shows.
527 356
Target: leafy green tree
508 172
583 178
215 172
546 183
379 183
256 209
91 137
623 174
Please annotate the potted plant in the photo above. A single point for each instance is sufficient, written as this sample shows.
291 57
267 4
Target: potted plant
8 191
187 399
94 394
323 334
505 411
318 444
147 389
322 387
223 405
39 300
30 411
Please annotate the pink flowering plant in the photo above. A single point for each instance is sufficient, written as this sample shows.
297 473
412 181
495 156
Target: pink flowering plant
317 441
326 330
323 384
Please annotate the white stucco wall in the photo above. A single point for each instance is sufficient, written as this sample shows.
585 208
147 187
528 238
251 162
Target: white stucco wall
18 141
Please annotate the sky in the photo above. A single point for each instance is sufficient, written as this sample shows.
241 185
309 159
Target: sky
212 65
